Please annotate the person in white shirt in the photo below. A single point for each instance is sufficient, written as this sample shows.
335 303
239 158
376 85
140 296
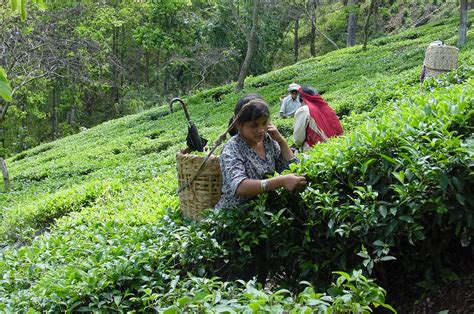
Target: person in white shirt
290 103
315 120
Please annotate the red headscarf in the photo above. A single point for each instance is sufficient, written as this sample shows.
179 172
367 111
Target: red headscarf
325 117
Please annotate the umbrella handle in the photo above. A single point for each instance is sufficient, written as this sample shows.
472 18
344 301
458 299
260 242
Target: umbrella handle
182 105
218 142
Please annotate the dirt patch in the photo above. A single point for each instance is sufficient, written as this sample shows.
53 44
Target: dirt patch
454 297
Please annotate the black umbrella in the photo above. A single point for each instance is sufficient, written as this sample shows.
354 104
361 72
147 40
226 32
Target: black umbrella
194 141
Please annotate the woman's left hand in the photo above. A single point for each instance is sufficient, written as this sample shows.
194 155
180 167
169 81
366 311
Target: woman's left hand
274 133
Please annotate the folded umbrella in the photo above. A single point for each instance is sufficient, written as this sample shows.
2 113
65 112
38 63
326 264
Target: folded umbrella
194 141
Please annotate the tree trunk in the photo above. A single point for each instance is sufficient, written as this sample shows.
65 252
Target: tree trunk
115 75
6 179
316 29
2 135
312 34
3 109
54 113
24 127
72 116
165 76
351 23
147 69
463 23
296 41
251 47
115 78
158 84
122 55
366 23
89 102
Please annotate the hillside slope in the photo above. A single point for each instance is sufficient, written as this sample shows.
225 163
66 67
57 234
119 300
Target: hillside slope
128 149
85 197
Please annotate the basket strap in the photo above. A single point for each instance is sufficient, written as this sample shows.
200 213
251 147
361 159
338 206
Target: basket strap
217 143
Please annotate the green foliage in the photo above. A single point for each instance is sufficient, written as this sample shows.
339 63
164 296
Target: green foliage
169 48
92 224
20 223
5 88
397 187
19 6
350 293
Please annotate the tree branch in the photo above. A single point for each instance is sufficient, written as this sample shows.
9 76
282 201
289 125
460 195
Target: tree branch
318 30
236 14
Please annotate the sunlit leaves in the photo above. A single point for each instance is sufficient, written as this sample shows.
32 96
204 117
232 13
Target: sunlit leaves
5 88
20 6
108 248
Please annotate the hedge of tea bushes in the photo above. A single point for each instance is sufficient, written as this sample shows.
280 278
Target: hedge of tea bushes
100 241
148 268
103 259
141 146
393 197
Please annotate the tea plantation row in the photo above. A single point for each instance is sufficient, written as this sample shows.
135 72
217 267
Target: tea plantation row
91 222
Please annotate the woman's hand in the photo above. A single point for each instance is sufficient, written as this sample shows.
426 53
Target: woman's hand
252 187
293 182
275 134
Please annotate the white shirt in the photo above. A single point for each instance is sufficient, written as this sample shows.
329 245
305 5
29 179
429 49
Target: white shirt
289 106
302 119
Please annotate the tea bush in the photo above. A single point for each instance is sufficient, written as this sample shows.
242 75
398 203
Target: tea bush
21 223
91 222
396 188
147 271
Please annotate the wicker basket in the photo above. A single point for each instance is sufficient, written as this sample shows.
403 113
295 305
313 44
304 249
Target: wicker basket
440 59
205 190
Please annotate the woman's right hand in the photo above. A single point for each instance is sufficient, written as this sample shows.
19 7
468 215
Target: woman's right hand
293 182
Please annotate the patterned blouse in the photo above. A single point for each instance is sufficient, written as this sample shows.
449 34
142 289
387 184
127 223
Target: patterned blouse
239 162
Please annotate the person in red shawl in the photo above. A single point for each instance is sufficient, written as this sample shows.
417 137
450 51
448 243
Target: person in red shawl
315 120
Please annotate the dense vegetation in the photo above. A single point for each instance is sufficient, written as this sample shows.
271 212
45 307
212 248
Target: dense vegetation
91 220
80 63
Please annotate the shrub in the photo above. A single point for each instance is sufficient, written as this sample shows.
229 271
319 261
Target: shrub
397 188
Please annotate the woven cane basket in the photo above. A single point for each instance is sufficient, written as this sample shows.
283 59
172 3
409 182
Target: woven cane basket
440 59
205 191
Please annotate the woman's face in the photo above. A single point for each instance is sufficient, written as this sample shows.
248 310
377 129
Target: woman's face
303 103
254 131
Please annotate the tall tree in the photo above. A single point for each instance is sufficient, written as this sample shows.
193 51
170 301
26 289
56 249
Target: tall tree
6 179
296 44
463 22
311 11
351 23
250 37
370 10
41 50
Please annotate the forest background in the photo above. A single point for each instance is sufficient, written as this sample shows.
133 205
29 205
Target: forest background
80 63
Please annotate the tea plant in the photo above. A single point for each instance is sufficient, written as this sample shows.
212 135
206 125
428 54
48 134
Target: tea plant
92 223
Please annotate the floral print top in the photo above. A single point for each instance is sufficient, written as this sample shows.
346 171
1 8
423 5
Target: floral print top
239 162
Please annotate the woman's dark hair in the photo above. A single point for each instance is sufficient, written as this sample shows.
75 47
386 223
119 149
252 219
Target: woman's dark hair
308 90
258 109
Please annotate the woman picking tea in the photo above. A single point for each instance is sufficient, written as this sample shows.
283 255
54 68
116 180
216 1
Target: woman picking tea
254 153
